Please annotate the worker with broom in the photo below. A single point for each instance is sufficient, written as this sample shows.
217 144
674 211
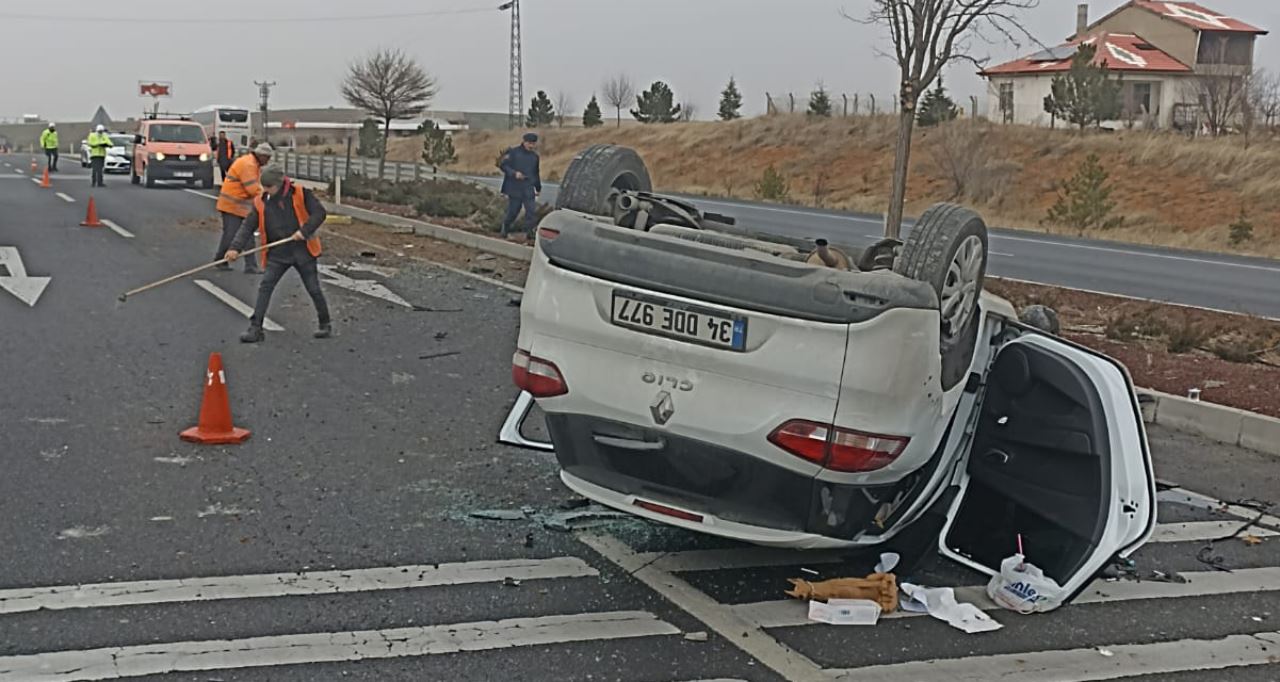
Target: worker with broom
284 209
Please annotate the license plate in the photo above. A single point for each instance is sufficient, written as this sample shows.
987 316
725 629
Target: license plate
679 321
184 174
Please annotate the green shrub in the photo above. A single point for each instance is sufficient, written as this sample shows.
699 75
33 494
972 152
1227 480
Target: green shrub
1241 230
1187 335
773 186
1085 202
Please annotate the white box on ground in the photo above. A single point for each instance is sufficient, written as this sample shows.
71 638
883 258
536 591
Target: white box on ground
845 612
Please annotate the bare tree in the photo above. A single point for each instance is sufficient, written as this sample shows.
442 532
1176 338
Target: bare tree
1223 99
620 93
927 35
564 102
688 110
390 85
1264 96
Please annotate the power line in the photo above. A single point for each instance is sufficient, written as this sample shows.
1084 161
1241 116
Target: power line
216 20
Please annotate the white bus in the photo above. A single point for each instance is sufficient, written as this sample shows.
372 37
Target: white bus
232 120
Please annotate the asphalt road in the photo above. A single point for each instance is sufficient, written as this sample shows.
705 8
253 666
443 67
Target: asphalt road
1209 280
339 541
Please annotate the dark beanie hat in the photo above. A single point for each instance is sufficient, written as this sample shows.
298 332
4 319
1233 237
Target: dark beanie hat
530 137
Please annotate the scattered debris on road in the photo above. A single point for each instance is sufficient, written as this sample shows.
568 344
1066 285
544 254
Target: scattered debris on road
445 354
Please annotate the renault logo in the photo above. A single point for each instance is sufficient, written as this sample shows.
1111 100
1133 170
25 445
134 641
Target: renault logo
663 408
182 157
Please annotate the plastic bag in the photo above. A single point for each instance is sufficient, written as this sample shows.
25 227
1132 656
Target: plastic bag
1021 586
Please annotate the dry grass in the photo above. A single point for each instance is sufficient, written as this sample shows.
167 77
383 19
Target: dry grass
1171 190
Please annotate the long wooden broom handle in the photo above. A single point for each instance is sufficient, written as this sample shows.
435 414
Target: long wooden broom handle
193 271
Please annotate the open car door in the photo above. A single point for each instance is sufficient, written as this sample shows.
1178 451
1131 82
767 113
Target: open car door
1059 457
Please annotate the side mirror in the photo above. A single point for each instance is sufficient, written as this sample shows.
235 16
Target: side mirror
137 139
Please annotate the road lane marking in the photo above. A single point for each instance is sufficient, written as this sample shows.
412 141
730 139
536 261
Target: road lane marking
367 287
65 197
328 647
1124 660
16 280
744 634
785 613
236 304
201 194
116 228
288 584
35 180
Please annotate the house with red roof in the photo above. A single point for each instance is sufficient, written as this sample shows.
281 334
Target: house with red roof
1157 48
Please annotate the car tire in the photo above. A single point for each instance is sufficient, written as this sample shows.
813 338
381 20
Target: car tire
947 248
146 177
598 170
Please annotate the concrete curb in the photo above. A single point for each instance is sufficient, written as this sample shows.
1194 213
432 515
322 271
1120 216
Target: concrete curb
472 240
1218 423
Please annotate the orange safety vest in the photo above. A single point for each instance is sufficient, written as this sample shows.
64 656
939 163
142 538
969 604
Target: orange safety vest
240 186
230 149
299 209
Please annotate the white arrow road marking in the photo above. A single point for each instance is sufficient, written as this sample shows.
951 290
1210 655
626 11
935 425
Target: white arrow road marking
27 289
361 286
236 304
65 198
116 228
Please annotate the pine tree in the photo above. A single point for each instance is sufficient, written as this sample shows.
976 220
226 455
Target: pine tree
591 116
937 107
1085 202
370 140
437 145
820 103
656 105
1084 95
541 111
730 102
773 186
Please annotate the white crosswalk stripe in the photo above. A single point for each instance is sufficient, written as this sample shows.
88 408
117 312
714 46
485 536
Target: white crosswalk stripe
286 584
1081 665
322 647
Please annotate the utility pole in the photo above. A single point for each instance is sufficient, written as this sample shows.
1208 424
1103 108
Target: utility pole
515 95
264 91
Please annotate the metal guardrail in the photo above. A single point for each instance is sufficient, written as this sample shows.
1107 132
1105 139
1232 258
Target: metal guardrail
324 168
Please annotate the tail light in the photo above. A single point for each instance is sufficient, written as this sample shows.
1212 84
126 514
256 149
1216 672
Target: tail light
838 449
539 377
548 233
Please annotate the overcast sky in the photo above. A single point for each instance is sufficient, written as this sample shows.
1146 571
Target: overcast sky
64 68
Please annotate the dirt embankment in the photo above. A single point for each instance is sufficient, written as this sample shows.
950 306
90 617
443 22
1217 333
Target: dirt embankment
1170 190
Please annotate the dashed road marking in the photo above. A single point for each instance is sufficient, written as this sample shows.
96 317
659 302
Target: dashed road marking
35 180
321 647
65 197
288 584
117 229
236 304
201 194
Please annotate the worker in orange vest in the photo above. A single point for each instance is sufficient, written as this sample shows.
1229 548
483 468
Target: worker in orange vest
240 186
284 210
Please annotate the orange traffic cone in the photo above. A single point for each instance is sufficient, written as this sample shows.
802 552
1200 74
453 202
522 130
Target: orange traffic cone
215 426
91 218
33 166
44 182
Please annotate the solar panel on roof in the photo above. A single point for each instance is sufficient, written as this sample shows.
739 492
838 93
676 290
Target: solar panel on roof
1055 54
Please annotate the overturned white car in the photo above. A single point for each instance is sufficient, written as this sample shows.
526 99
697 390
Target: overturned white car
806 394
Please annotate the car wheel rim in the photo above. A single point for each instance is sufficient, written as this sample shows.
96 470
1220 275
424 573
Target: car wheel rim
960 288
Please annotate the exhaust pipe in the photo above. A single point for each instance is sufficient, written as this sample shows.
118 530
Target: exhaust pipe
824 253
